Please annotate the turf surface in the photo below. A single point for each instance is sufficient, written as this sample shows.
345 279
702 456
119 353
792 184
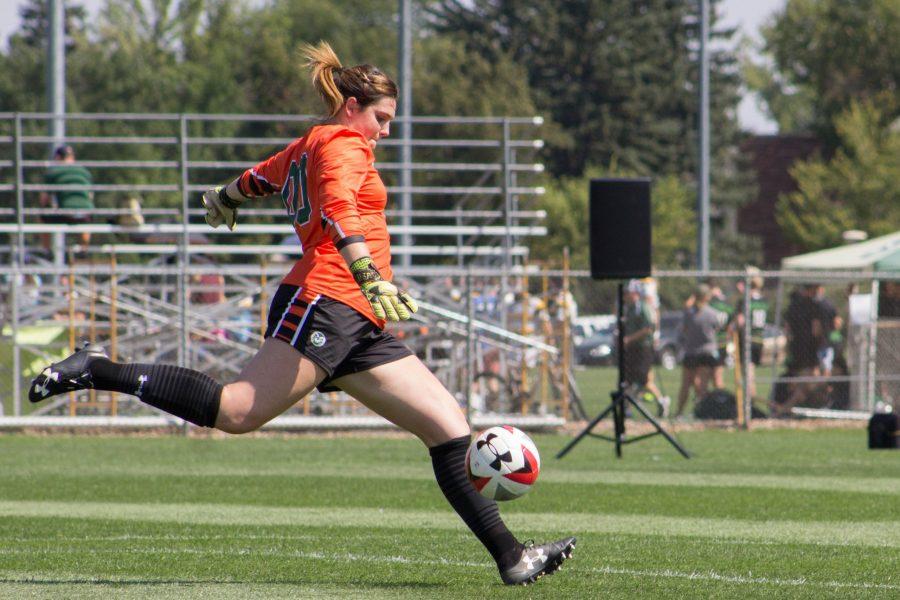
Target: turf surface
777 513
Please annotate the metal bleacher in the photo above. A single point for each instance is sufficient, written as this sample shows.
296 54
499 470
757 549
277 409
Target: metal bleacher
139 283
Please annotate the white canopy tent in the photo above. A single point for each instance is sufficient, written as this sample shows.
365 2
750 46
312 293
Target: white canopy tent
878 254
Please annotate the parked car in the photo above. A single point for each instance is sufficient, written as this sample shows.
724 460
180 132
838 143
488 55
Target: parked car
585 326
599 348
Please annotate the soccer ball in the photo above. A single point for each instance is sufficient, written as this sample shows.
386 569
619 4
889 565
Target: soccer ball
502 463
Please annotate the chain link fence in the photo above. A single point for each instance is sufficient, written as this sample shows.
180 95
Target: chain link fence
528 343
760 344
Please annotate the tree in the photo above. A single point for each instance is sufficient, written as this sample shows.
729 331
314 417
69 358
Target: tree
23 72
824 54
618 79
35 25
618 76
859 188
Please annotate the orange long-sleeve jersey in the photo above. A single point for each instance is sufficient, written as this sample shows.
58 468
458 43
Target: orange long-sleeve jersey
334 196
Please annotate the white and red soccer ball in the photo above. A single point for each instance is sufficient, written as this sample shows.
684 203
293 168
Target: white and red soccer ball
502 463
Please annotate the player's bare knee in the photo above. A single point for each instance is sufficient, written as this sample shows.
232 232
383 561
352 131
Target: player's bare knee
236 412
238 424
444 431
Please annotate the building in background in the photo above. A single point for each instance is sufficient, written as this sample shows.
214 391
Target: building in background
772 157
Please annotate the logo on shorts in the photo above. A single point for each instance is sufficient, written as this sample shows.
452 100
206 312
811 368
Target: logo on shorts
317 339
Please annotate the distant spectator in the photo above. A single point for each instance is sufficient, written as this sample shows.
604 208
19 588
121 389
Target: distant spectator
799 320
699 327
804 329
826 323
759 315
639 324
724 310
889 300
67 173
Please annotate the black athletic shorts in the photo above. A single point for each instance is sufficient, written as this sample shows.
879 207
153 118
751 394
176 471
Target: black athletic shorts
756 353
755 350
700 360
331 334
636 366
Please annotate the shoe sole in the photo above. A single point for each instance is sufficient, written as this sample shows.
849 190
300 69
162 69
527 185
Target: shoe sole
552 567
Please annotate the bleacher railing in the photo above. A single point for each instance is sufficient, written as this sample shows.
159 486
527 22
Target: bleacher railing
158 284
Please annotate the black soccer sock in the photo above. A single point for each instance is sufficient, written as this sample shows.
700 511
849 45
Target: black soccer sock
185 393
479 513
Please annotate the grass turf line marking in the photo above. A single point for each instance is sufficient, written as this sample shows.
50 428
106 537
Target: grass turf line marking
355 557
863 485
856 533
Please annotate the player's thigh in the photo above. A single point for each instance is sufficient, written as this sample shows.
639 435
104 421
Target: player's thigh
406 393
273 381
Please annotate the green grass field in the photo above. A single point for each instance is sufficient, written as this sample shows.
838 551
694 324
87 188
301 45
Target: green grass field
777 513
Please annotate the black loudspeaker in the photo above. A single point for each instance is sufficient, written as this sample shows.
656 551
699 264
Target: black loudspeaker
620 228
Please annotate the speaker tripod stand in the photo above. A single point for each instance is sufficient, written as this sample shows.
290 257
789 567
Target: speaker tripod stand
621 399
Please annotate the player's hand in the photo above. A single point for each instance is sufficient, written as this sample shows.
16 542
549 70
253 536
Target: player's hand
220 208
386 300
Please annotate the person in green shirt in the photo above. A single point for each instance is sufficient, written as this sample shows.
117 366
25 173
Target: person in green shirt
724 310
65 172
638 325
759 316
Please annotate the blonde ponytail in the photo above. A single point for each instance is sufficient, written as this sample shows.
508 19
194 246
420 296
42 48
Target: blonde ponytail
336 84
323 63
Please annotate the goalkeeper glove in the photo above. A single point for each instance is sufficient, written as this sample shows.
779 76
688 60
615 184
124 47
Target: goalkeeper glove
220 208
387 301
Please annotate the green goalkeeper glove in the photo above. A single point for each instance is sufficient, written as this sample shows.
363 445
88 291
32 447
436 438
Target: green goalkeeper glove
387 301
220 208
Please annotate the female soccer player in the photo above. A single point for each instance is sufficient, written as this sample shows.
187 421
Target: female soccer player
325 324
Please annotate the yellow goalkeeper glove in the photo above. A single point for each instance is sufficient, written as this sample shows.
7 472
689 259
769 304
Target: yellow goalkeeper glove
220 208
387 301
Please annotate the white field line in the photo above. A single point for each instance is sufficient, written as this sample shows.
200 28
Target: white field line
355 557
856 533
864 485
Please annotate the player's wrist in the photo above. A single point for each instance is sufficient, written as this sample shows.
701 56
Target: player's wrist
364 271
226 200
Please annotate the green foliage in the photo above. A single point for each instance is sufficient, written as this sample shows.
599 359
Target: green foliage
674 224
451 81
566 202
35 15
617 76
859 188
825 54
618 79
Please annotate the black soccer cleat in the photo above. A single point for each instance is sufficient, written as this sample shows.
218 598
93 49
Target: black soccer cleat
538 561
68 375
